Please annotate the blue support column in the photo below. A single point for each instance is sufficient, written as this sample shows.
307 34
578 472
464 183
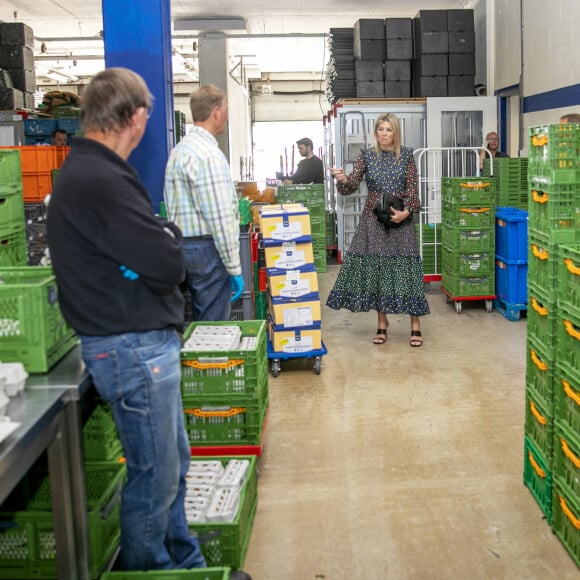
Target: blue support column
137 36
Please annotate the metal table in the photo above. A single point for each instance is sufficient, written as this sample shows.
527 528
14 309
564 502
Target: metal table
49 411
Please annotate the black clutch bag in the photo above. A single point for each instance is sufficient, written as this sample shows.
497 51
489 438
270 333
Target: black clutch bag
383 213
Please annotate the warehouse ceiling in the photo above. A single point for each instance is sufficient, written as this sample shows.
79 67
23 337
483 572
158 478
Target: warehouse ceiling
279 35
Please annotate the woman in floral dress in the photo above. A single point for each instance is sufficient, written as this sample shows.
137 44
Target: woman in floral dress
382 268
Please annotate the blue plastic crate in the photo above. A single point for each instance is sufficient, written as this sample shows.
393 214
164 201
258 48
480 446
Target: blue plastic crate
511 233
39 127
511 280
69 124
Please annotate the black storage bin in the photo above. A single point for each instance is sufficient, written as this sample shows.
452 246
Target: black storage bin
13 56
28 100
11 99
5 80
399 49
23 79
431 65
398 70
462 64
462 41
369 49
397 28
397 89
460 86
431 43
460 19
370 89
16 33
369 70
431 21
369 28
430 86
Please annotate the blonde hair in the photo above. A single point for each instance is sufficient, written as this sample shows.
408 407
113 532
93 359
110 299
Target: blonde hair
396 126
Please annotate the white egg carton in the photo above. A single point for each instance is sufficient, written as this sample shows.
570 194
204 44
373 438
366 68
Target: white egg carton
235 473
194 516
196 503
206 338
200 491
14 377
201 466
195 478
248 343
224 505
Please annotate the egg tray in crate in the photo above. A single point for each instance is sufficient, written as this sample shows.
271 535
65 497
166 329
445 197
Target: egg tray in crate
237 370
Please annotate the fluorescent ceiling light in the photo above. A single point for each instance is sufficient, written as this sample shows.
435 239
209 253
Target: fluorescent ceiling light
60 76
210 24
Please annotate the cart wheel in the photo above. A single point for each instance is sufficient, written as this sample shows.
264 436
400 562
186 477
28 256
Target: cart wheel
317 365
275 368
427 288
447 299
489 305
458 307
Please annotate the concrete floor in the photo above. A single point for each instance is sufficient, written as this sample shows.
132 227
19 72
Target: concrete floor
402 463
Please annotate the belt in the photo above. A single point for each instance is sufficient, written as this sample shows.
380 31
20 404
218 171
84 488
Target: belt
207 237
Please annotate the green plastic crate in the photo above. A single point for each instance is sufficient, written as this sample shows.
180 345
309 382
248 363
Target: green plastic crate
540 366
261 305
555 210
538 477
11 210
466 286
244 210
554 153
10 168
566 520
568 272
13 249
470 216
312 196
539 425
567 396
465 240
568 337
100 438
468 190
34 331
566 460
27 542
192 574
215 420
226 544
468 264
542 263
232 372
541 316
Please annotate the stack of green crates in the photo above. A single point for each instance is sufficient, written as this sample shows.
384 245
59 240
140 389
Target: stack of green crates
511 177
468 236
312 196
32 327
429 236
179 126
27 539
225 392
12 221
552 428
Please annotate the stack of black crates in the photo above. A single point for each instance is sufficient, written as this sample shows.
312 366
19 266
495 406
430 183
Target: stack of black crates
552 414
444 53
340 72
17 75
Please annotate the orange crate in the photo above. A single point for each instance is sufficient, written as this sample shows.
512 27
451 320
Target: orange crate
36 186
40 158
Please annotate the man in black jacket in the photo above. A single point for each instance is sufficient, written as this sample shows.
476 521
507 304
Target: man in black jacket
310 169
118 268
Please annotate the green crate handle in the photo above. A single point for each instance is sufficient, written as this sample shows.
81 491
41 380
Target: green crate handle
538 361
569 454
474 185
535 465
571 267
539 140
571 330
540 418
226 413
540 253
570 393
568 513
474 209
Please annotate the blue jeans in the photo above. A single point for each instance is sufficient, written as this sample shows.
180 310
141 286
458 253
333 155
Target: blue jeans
208 280
138 374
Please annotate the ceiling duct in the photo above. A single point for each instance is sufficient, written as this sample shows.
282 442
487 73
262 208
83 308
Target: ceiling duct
210 24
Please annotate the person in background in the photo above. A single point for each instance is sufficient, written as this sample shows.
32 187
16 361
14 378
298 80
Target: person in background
570 118
382 268
201 198
59 138
492 144
310 169
118 268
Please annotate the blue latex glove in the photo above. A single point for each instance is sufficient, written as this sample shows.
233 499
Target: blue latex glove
129 274
237 284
